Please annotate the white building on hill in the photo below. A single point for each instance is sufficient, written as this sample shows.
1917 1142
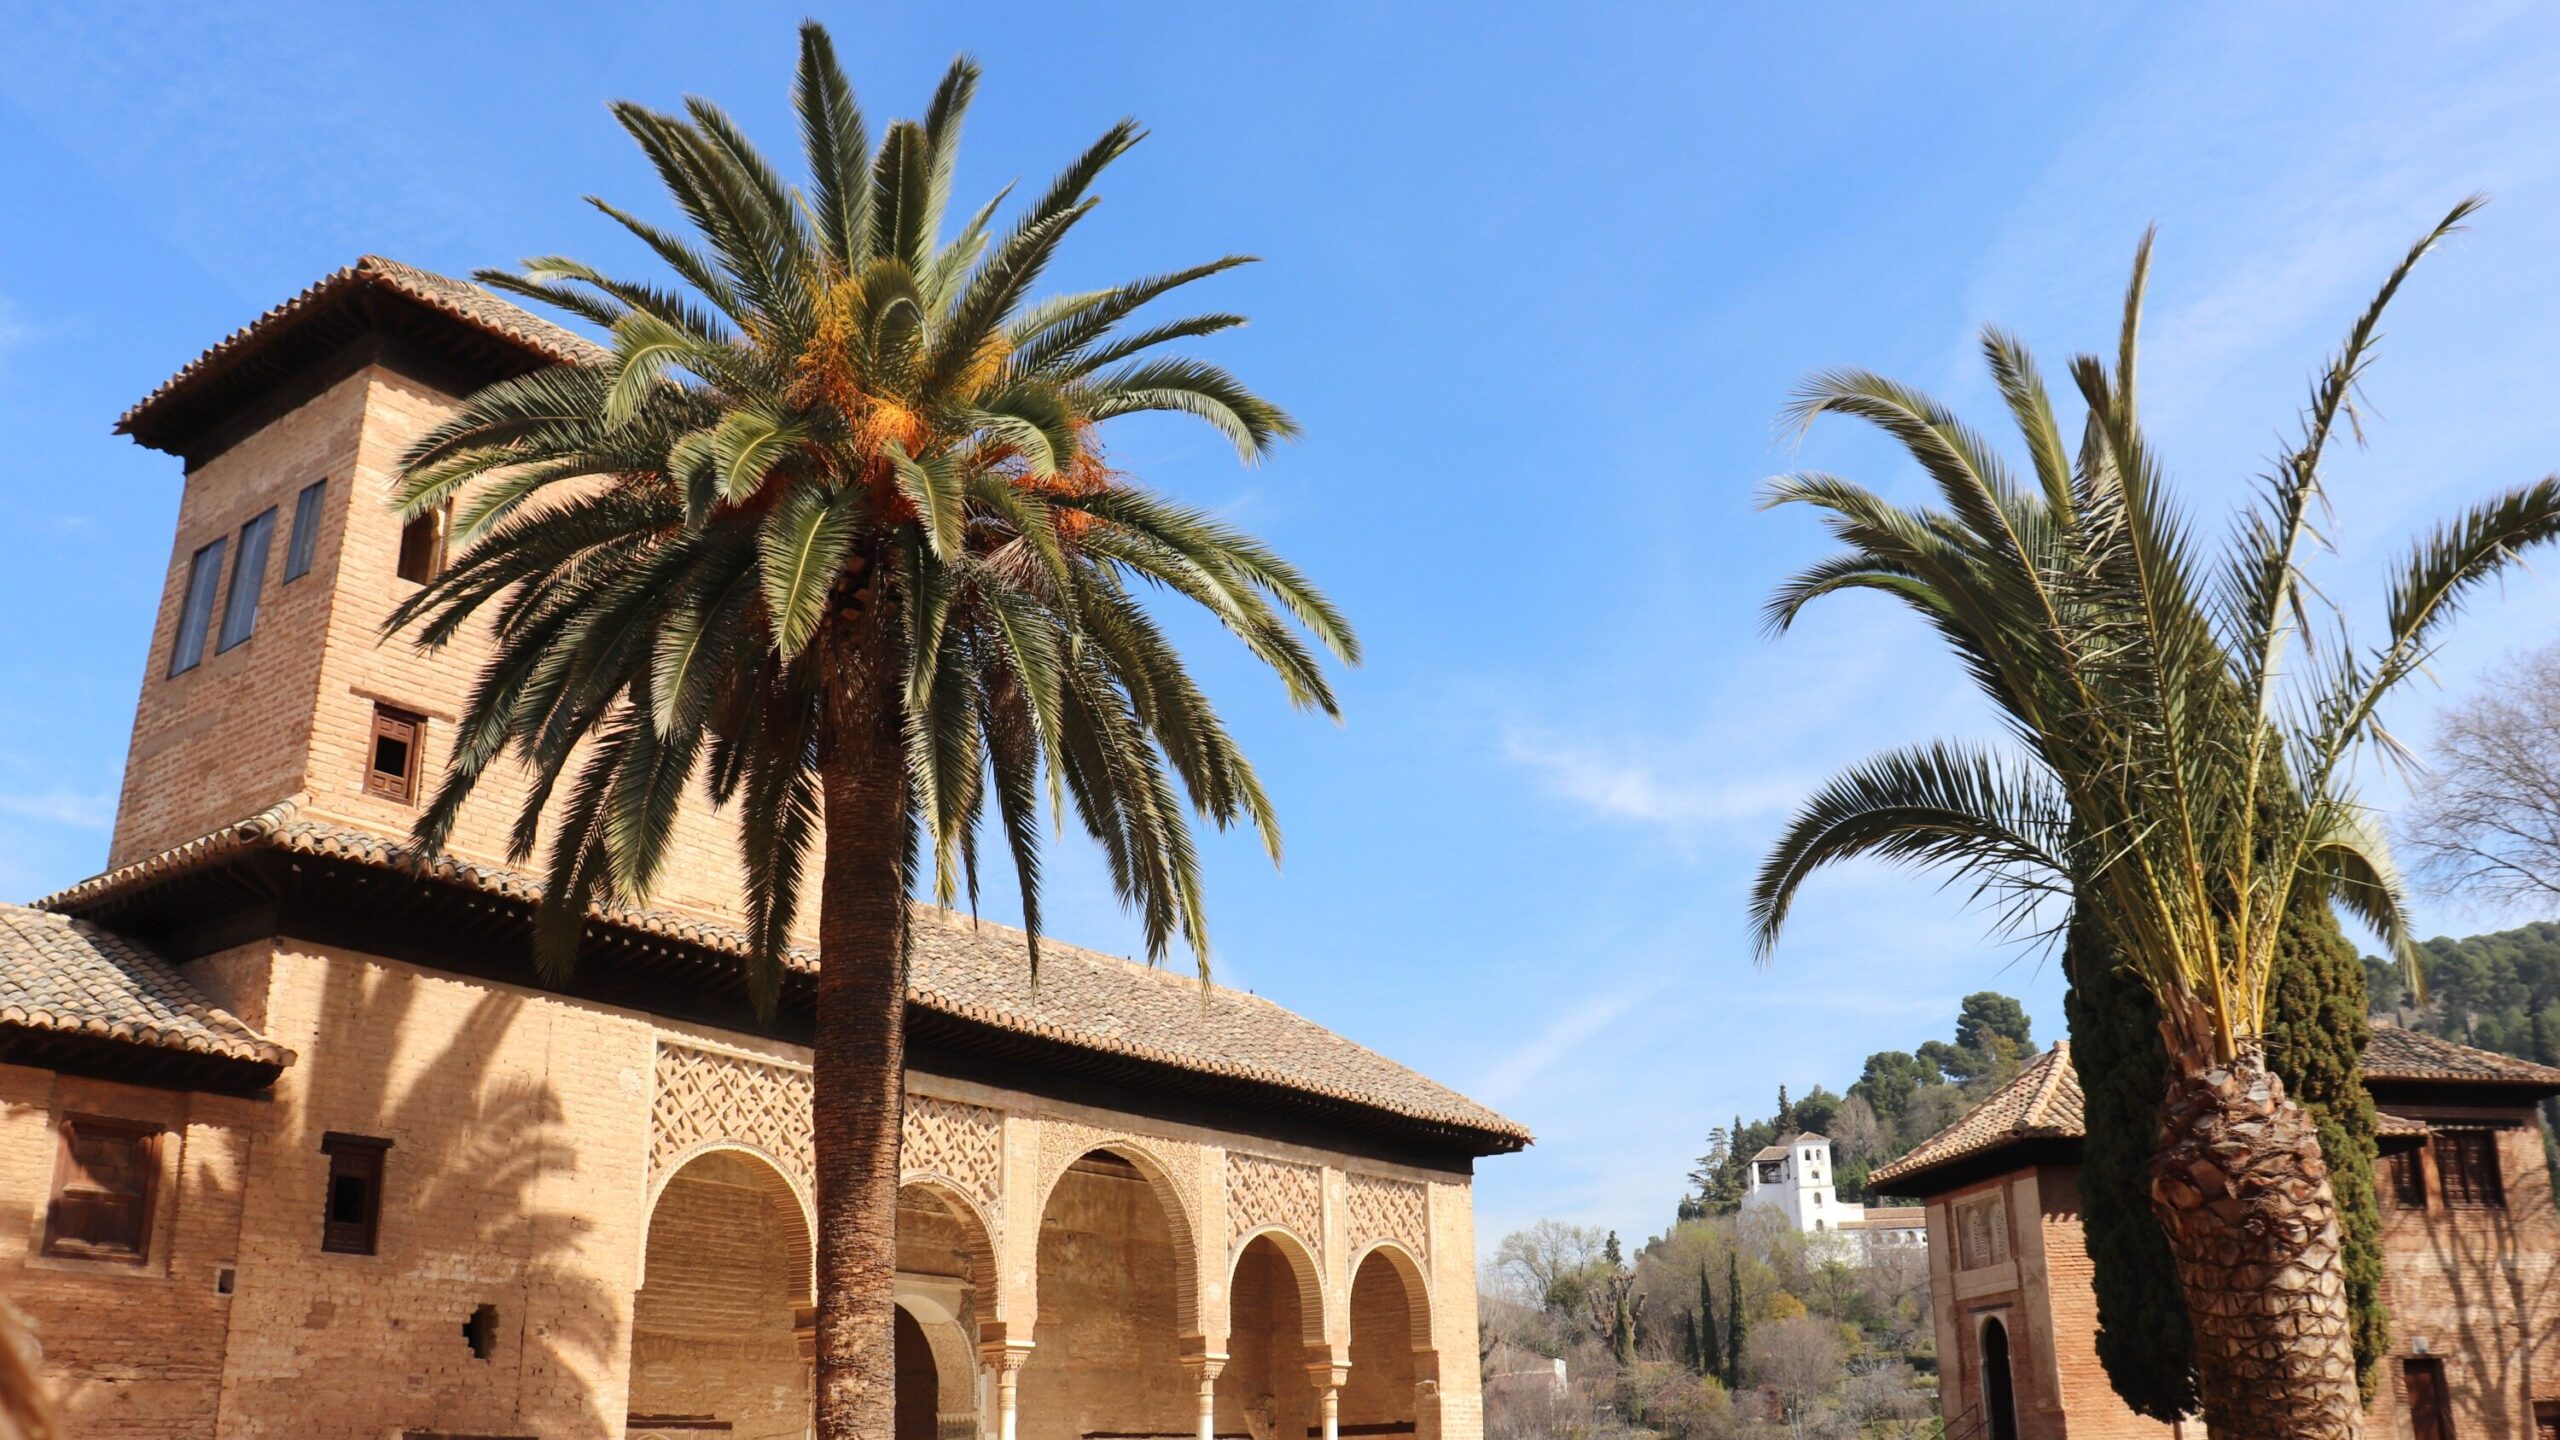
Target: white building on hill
1795 1178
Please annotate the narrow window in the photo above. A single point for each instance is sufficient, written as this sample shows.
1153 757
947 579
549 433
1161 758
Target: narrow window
195 611
422 544
2406 1173
351 1213
480 1332
306 531
104 1174
2467 1167
248 577
391 770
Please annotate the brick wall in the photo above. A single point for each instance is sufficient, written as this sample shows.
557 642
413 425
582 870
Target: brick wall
2475 1288
1266 1347
1380 1389
139 1347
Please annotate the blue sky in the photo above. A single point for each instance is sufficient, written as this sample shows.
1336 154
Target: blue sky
1537 291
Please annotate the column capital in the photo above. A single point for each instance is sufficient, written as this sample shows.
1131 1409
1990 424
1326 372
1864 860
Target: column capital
1328 1374
1005 1356
1204 1365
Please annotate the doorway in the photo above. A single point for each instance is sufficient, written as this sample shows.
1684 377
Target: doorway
1999 1395
2430 1412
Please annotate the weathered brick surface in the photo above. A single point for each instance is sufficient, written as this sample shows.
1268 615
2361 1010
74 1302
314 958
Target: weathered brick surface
713 1328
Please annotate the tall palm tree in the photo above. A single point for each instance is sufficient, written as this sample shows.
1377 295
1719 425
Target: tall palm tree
832 531
2182 766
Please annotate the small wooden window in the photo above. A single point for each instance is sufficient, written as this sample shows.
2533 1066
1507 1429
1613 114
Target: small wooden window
2467 1167
351 1211
422 544
104 1177
391 764
2405 1173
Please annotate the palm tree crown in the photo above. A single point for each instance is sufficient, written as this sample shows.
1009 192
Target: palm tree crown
2177 770
841 487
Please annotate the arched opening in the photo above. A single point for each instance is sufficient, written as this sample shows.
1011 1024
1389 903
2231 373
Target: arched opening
1999 1397
715 1327
1391 1366
1275 1327
1114 1266
919 1382
946 1280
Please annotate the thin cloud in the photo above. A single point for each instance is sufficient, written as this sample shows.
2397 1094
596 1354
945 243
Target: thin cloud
62 807
1561 1037
1617 787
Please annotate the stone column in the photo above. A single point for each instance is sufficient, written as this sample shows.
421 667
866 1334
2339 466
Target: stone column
1204 1374
1005 1359
1426 1395
1328 1378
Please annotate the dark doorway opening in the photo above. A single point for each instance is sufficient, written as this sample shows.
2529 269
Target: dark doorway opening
1999 1395
2430 1410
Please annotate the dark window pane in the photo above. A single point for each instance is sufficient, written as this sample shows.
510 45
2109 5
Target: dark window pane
195 610
306 530
2406 1177
351 1213
248 577
2467 1164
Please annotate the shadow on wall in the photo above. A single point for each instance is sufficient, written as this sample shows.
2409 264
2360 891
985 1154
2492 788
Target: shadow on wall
488 1306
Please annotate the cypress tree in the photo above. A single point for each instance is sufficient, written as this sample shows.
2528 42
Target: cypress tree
1734 1324
1706 1358
2142 1340
2316 1031
1786 1120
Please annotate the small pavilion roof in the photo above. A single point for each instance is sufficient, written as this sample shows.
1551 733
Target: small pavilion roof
76 996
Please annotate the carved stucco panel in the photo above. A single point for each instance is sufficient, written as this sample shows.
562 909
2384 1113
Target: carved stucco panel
1382 1208
1064 1142
706 1096
1263 1191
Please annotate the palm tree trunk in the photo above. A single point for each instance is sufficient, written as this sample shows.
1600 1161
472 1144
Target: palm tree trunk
860 1042
2243 1194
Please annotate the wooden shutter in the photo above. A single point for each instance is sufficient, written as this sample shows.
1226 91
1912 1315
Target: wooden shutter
2423 1381
391 761
2406 1173
2467 1166
105 1175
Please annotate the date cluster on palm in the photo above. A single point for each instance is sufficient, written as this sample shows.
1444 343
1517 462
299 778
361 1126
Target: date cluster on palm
2240 1186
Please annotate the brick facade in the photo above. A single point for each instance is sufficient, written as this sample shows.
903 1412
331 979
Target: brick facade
2470 1288
595 1213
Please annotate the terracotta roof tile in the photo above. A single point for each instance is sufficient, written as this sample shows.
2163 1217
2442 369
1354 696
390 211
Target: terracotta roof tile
2043 1102
69 977
969 970
2398 1126
457 299
2398 1054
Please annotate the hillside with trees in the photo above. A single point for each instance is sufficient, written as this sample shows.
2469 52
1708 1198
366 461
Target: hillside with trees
1731 1323
1900 1098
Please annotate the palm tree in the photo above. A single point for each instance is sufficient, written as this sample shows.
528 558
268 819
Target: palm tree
2175 773
831 531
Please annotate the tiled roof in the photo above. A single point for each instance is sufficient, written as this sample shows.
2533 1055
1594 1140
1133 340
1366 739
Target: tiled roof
2043 1102
961 968
2399 1054
1889 1217
67 977
2393 1126
456 299
1770 1152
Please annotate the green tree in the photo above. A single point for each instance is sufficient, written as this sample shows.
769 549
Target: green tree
1706 1356
1888 1080
2143 1340
2175 770
1737 1324
831 531
1785 1119
1988 1018
1816 1111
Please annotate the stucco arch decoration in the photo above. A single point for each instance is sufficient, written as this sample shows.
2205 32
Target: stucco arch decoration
1172 1173
1417 1284
1304 1269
